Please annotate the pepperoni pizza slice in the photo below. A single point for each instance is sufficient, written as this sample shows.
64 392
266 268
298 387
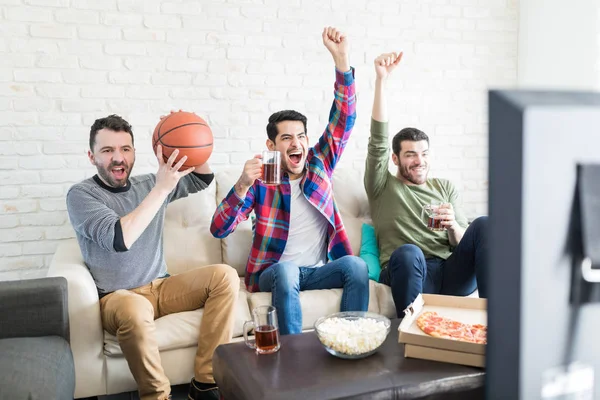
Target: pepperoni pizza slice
436 325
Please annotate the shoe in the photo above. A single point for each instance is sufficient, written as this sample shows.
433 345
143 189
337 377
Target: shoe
196 393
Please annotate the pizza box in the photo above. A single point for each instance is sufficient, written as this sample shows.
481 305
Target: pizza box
417 344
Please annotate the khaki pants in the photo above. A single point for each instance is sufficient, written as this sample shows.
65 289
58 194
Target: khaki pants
130 315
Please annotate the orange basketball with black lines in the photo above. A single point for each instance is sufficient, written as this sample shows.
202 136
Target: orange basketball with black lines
187 132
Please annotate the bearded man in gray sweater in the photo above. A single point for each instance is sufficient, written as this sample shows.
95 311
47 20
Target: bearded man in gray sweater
118 221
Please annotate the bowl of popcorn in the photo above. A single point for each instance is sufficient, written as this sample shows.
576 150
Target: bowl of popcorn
352 334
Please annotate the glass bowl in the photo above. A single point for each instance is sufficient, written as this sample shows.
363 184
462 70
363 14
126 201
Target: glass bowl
352 334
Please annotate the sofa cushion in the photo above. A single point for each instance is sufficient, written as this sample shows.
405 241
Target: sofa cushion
180 330
385 301
188 242
36 368
350 195
369 251
351 199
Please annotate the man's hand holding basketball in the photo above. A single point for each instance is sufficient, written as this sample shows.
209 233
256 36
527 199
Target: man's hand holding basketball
252 171
337 44
199 169
172 112
168 175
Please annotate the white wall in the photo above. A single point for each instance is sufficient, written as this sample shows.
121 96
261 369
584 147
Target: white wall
67 62
559 44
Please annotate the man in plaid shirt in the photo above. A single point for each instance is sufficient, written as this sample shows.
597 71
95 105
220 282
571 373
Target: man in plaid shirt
300 242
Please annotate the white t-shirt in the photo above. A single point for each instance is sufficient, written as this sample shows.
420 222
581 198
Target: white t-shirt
307 239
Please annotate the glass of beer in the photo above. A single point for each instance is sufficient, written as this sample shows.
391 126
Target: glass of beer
271 167
266 330
431 217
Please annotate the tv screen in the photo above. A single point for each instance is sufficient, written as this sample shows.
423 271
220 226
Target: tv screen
544 318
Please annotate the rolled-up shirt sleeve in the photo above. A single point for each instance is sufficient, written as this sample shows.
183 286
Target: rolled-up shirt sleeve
189 184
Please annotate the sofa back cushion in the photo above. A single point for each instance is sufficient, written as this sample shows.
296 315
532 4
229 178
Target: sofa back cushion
188 242
351 199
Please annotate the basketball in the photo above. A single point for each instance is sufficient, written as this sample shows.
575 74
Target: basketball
187 132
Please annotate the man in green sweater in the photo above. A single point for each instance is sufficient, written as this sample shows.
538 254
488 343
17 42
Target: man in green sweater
414 258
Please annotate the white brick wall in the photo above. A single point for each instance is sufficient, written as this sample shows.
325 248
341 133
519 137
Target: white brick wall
578 37
68 62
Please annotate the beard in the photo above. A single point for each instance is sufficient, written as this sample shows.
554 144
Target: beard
112 181
412 176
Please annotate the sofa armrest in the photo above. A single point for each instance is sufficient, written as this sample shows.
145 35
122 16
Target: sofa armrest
87 334
34 307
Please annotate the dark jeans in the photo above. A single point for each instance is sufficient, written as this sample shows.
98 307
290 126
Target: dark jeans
408 273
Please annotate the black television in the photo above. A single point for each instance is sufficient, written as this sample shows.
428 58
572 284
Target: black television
543 303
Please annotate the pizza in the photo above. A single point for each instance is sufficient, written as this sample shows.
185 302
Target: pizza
435 325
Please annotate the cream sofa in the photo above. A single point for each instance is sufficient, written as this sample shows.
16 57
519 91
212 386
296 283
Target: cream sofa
99 364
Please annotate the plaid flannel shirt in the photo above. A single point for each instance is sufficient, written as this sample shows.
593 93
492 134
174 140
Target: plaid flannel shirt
271 204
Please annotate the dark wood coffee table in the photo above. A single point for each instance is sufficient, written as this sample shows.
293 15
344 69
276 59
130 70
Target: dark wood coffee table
303 370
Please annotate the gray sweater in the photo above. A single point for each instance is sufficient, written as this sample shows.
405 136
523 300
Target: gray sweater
95 211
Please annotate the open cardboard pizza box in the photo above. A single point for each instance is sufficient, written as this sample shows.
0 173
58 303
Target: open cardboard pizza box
417 344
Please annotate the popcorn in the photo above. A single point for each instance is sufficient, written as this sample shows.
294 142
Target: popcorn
352 337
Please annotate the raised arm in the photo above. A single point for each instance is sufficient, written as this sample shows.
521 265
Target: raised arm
378 153
342 115
337 44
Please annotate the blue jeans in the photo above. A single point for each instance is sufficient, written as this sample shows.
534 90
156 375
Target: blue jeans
409 273
285 280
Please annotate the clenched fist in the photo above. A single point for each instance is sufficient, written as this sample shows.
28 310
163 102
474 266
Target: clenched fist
386 63
337 44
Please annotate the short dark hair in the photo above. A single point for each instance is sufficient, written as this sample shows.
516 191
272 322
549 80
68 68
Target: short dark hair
280 116
112 122
412 134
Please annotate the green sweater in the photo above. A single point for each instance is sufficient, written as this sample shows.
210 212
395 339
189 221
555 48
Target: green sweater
396 207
